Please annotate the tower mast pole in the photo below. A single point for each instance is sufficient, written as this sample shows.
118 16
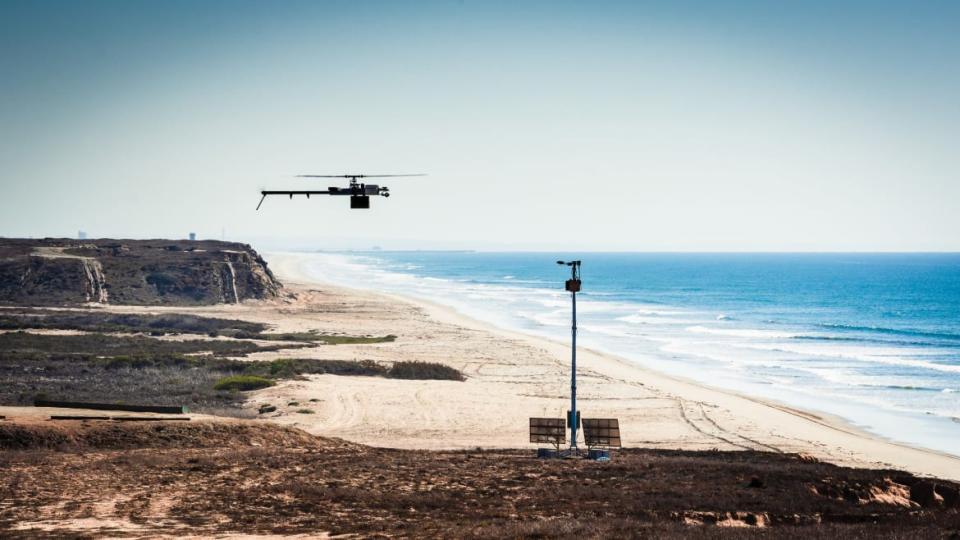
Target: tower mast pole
573 285
573 369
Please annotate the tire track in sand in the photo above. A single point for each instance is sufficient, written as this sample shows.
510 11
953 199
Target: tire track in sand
695 415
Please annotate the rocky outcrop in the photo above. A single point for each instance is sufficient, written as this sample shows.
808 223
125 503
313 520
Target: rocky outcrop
53 272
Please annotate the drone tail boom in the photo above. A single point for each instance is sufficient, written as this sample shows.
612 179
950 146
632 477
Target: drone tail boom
290 194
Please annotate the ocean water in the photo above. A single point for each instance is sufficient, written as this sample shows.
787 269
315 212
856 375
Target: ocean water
872 338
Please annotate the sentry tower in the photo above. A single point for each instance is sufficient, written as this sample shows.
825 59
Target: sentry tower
573 415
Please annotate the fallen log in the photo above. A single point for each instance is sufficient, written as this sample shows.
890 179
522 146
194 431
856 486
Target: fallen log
151 418
122 418
111 407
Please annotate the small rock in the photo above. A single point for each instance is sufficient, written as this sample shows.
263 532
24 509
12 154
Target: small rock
264 409
950 495
925 494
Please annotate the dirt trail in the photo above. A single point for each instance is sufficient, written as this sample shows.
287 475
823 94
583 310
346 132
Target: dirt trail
233 283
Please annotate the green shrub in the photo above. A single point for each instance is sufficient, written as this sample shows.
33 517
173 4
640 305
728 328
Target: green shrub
354 340
305 411
423 370
314 336
242 383
289 368
164 282
125 322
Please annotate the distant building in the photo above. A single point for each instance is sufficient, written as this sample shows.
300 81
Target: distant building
81 235
193 236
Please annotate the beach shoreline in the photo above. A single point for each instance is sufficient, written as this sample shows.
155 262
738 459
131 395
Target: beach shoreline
655 410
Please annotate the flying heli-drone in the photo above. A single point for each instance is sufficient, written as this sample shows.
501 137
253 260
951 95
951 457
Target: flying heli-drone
358 191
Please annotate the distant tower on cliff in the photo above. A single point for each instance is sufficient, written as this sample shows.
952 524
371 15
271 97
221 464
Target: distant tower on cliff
81 235
193 236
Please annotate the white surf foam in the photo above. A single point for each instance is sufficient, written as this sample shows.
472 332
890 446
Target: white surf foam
642 319
742 332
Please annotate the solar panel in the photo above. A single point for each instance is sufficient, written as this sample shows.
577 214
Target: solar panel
548 430
601 432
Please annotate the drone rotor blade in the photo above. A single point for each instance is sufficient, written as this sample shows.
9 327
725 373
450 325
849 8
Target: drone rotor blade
356 175
264 196
390 175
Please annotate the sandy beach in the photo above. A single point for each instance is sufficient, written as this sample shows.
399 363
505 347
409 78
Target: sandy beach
513 376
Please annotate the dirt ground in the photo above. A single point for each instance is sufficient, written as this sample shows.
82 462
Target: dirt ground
96 479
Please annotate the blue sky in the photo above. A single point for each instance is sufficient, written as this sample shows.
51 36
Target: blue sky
608 126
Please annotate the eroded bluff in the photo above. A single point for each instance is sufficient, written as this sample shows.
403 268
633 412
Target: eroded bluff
56 272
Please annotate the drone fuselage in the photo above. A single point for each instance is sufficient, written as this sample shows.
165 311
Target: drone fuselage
360 194
357 190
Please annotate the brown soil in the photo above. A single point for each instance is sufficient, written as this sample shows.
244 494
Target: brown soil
104 479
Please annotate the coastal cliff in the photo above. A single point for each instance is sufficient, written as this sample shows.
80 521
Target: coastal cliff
55 272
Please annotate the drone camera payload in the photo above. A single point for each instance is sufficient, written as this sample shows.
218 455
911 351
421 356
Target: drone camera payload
359 202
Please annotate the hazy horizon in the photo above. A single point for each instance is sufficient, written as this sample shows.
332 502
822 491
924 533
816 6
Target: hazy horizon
654 127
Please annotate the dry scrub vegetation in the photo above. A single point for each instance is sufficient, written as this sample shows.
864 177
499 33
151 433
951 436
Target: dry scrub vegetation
159 325
131 365
206 478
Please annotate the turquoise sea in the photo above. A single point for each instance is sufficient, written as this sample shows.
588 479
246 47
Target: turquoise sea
872 338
